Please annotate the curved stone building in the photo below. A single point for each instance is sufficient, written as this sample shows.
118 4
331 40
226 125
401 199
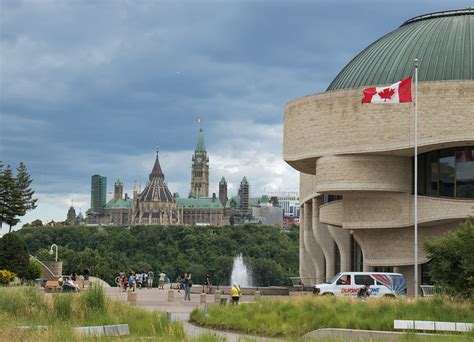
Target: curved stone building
356 160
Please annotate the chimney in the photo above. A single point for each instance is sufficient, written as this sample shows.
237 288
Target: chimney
213 197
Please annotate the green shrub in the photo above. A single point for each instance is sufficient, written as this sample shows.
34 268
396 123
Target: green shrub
452 261
33 271
6 277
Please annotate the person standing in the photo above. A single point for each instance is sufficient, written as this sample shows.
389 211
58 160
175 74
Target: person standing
151 275
187 286
162 280
208 283
235 294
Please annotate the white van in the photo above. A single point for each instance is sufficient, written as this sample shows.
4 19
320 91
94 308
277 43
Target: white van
349 283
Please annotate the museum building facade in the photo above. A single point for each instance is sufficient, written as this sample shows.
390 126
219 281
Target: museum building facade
356 161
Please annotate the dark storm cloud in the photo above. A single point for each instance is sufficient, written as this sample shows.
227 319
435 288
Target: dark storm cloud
92 86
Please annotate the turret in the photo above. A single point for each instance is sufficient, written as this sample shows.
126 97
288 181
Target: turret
223 191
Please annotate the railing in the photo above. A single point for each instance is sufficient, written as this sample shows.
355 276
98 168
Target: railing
306 281
46 267
429 290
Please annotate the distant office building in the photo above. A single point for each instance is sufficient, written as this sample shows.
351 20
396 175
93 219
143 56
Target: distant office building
98 192
288 201
264 212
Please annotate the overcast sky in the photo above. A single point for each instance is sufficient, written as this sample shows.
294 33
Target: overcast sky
91 87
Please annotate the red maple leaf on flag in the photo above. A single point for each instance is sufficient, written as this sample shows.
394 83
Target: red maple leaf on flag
386 93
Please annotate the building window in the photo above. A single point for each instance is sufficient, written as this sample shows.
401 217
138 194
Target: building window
448 173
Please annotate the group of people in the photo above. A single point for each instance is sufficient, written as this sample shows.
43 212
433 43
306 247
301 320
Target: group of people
139 280
69 283
135 280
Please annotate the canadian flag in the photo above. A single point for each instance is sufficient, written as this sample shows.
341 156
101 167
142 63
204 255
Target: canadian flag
396 93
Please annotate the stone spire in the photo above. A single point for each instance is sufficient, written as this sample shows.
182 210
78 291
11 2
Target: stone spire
223 191
156 171
201 145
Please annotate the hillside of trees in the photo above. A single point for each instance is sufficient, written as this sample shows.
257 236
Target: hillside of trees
272 255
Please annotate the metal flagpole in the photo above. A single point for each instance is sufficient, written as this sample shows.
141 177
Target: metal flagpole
416 177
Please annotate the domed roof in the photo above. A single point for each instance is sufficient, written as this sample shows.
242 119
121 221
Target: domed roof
443 42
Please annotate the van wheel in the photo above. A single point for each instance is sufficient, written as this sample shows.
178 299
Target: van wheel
327 294
388 296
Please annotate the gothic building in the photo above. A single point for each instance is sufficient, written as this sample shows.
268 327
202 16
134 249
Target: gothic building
200 169
155 204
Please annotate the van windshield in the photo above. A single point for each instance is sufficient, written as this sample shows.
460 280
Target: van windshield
333 279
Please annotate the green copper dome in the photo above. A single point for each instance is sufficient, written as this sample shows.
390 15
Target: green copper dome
443 42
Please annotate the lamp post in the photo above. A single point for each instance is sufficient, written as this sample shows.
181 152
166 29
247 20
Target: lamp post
51 250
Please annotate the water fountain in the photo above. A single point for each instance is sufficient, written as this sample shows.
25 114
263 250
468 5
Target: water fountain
240 273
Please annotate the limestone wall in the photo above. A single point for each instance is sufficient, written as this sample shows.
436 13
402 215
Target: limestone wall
333 123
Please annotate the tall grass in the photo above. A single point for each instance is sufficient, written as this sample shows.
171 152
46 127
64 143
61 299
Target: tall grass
62 312
22 301
94 299
297 316
62 306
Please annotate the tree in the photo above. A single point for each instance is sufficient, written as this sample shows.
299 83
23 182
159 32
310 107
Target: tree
14 254
24 191
452 261
16 195
35 223
9 197
33 271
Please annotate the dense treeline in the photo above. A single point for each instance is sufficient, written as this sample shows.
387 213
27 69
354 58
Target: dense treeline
272 255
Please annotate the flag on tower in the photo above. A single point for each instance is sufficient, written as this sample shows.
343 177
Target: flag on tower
396 93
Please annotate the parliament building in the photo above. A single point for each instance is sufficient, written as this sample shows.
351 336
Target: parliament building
156 205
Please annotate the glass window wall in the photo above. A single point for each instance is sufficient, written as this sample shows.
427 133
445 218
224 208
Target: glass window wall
447 173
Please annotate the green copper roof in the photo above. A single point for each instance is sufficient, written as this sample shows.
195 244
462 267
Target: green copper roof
443 42
223 181
244 181
118 182
119 204
200 146
202 202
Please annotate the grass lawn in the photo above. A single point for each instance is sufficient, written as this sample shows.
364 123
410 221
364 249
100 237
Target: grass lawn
296 316
63 311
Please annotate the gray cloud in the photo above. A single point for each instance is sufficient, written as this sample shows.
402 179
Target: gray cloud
91 87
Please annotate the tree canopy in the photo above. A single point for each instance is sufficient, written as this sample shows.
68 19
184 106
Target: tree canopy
272 255
452 261
14 255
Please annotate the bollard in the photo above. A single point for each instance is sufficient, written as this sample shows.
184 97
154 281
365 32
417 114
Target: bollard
132 298
223 301
170 295
256 295
168 315
202 298
217 297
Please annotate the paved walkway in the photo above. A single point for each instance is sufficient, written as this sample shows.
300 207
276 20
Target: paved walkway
157 300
